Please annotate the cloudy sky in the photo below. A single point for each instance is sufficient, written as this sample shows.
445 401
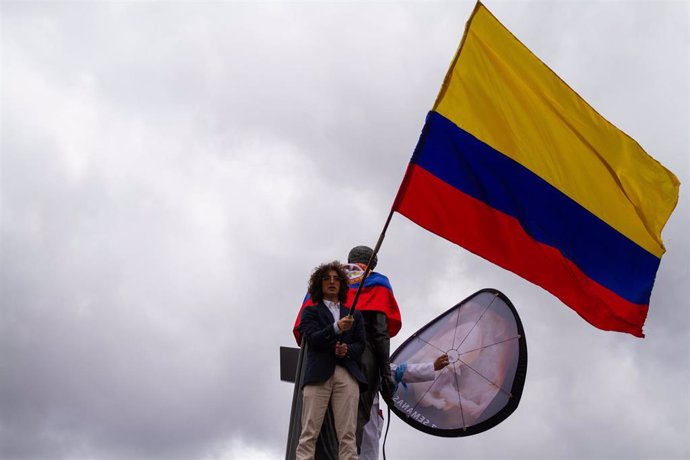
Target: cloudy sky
172 171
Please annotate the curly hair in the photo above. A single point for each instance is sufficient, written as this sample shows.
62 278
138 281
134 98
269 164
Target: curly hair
315 288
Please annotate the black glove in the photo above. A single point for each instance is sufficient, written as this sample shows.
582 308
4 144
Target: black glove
387 387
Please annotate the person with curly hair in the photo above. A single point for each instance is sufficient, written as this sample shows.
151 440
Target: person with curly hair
335 342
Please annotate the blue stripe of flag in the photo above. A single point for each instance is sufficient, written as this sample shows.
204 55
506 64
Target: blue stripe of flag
547 214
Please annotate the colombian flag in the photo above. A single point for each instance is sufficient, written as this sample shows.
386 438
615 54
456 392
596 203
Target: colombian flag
376 295
516 167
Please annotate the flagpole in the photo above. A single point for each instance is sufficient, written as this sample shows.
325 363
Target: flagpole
371 259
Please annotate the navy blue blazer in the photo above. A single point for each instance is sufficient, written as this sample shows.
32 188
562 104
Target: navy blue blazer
316 326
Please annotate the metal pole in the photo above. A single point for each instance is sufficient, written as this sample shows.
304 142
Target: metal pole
296 409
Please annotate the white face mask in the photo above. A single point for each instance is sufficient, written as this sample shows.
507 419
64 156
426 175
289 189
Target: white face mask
354 272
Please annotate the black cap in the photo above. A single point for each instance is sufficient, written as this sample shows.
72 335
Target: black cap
361 255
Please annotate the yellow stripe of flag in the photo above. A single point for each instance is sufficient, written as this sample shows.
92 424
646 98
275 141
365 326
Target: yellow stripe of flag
501 93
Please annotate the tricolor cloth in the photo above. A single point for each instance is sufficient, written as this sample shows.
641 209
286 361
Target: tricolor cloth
376 295
516 167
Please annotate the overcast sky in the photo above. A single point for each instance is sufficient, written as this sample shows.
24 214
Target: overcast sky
172 171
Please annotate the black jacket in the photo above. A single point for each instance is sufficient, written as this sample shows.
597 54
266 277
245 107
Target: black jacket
316 326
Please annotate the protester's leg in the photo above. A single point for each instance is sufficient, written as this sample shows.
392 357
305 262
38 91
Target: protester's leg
371 374
344 401
372 434
315 399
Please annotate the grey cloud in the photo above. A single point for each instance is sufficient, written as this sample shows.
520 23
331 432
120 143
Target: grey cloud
171 172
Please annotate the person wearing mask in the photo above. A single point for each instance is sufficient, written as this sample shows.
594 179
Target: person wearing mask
381 321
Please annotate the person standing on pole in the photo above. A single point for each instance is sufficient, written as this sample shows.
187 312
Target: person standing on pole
332 375
381 316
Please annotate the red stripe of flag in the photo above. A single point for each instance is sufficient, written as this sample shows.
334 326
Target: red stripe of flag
444 210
